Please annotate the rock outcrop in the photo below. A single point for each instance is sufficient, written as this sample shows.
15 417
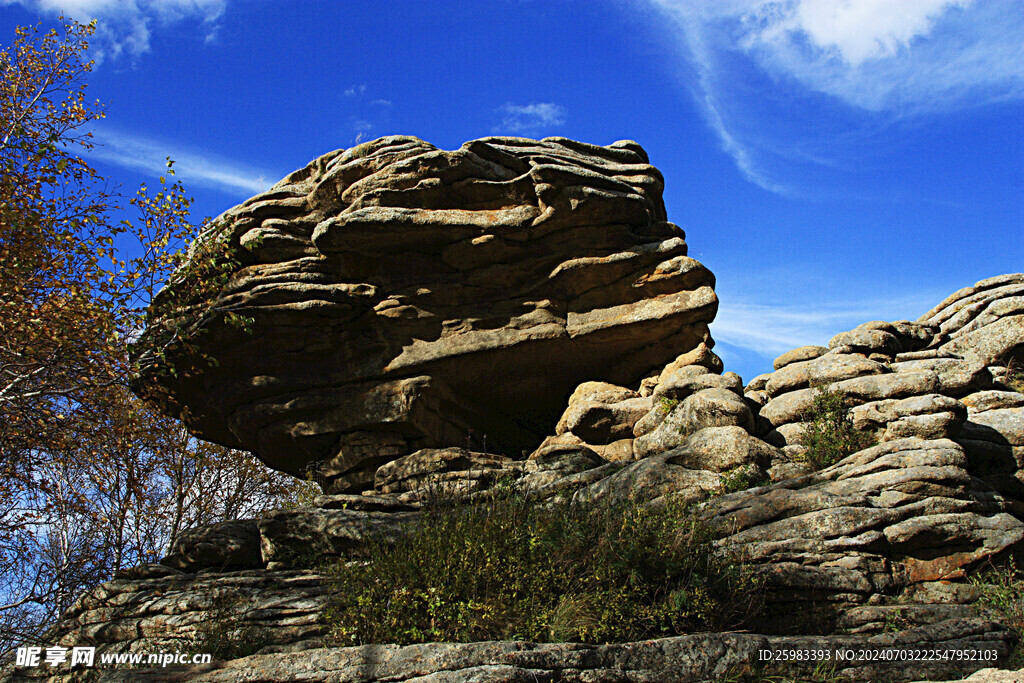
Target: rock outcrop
942 376
615 379
394 296
871 553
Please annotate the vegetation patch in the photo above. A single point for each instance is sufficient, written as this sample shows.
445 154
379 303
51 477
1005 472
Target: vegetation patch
896 621
515 569
822 672
829 434
743 478
1002 590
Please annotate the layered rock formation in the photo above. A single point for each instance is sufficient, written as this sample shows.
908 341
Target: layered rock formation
401 297
942 376
870 553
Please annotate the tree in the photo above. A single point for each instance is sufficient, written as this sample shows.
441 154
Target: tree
92 479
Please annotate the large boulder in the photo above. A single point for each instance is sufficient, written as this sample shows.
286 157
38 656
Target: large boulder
395 296
233 544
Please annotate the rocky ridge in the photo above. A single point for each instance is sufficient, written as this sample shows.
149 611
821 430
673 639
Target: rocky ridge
885 536
871 552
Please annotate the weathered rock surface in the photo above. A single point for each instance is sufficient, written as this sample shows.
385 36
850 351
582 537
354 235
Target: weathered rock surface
600 413
798 354
931 369
886 536
984 323
387 282
418 311
227 545
993 676
846 543
303 537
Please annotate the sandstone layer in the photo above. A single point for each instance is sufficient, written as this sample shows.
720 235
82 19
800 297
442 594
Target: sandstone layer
394 297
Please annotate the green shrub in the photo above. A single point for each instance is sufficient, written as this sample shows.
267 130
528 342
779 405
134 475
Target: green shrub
896 621
1002 590
667 405
513 569
829 434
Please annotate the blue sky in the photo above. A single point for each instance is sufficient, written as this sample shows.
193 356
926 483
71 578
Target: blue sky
832 161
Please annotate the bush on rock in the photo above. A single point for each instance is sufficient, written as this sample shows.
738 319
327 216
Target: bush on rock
513 569
830 435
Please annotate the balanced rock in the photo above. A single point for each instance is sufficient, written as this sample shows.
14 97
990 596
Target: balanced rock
394 297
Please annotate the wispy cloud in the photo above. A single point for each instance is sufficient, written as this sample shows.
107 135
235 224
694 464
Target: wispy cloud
125 26
355 90
755 60
529 118
192 166
771 330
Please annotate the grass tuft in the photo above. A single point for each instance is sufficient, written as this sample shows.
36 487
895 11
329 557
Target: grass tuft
1015 376
822 672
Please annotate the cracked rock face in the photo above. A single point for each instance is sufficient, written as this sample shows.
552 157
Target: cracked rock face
405 297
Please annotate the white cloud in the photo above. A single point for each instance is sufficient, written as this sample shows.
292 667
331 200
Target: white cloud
193 167
855 30
529 118
894 59
125 26
356 90
910 57
707 94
